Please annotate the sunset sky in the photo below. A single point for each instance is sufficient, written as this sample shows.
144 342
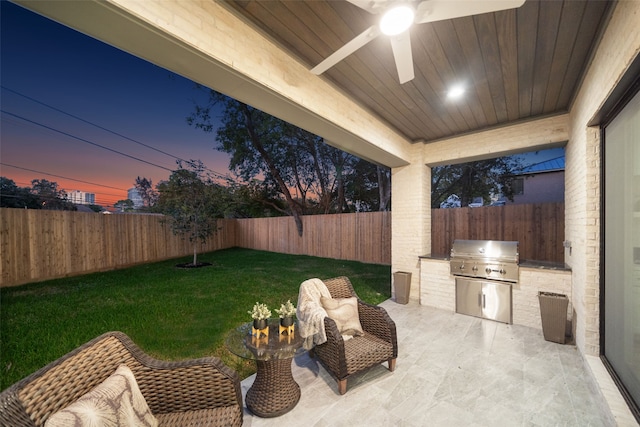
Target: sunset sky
51 73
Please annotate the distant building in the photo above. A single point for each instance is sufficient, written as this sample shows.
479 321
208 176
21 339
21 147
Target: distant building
539 183
134 196
78 197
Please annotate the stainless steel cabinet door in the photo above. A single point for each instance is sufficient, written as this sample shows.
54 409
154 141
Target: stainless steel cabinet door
469 297
496 301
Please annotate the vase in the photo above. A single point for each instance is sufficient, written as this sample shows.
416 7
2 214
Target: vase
260 323
286 321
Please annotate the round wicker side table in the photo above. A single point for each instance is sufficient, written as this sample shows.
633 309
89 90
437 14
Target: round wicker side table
274 391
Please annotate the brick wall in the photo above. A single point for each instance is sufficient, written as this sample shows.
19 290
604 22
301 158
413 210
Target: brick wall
526 308
619 45
582 229
437 286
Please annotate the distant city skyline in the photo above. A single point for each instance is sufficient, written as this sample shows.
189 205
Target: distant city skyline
53 76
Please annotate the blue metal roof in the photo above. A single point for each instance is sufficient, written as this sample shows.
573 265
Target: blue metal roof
550 165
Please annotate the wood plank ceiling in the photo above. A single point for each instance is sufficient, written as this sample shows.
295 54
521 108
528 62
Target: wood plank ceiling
516 64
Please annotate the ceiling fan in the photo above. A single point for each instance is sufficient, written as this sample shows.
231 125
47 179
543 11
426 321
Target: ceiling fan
397 16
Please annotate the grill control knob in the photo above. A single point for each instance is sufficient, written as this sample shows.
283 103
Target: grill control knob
474 268
462 267
503 271
488 270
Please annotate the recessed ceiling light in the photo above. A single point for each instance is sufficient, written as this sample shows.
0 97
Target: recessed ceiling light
455 92
396 20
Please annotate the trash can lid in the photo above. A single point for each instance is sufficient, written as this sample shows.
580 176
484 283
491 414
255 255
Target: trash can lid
551 294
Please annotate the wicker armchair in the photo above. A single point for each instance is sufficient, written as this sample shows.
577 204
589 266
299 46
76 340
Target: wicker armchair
192 392
345 358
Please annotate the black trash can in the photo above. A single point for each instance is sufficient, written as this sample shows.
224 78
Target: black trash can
553 311
402 284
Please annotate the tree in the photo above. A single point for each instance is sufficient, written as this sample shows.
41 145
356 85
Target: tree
12 196
50 196
474 179
187 199
301 174
256 142
247 200
124 205
370 187
147 193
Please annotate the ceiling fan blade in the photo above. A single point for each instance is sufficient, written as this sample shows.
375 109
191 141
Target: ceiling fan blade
371 6
365 37
438 10
401 45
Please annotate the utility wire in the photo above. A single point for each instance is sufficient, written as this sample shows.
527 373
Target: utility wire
85 140
105 129
91 123
59 176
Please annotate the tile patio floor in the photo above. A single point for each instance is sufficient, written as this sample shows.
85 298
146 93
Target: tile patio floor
452 370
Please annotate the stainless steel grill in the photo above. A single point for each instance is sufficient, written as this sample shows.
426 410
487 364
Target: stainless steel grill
486 259
485 270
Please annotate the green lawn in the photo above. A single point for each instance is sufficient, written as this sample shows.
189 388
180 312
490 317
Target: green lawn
170 313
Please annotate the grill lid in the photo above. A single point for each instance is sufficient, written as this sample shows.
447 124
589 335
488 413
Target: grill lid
485 250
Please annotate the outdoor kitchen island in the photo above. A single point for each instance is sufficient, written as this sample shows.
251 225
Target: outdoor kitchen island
437 287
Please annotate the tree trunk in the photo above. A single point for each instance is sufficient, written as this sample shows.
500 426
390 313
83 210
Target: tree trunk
325 196
340 186
296 210
195 237
384 189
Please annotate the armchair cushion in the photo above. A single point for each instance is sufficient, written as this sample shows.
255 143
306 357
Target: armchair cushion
344 311
115 401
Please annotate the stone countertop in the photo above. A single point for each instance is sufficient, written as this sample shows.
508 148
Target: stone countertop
544 265
435 257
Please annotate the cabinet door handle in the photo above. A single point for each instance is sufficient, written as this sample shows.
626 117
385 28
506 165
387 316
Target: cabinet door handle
484 301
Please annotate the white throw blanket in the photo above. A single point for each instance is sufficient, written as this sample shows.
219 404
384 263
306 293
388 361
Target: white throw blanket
310 313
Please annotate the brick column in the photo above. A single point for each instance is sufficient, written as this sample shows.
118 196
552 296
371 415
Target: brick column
411 217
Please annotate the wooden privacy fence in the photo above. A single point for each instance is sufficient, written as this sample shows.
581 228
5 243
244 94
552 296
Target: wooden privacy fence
41 244
362 236
539 228
37 245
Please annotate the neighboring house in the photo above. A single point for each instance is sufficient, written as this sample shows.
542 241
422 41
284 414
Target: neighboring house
539 183
453 201
208 43
83 208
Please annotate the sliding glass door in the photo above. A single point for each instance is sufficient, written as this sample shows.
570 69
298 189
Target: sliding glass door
622 246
